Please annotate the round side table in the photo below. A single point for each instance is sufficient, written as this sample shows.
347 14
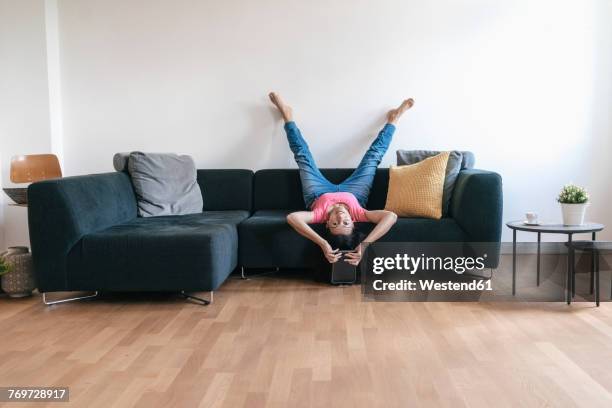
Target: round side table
540 229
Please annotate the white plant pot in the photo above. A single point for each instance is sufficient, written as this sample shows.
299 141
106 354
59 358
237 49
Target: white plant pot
573 214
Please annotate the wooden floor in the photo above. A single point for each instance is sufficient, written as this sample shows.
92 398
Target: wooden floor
283 341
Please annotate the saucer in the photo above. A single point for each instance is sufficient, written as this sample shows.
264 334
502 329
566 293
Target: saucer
532 223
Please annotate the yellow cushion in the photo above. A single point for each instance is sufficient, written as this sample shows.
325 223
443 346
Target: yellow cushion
416 190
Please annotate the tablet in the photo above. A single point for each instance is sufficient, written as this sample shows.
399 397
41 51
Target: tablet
343 273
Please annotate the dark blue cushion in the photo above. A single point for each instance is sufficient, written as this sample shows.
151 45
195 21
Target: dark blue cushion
190 252
226 189
281 189
267 240
424 230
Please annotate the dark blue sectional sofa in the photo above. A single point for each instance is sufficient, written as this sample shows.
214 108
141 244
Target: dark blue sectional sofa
85 233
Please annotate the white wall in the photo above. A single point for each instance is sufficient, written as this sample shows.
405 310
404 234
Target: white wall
523 83
518 82
600 166
24 100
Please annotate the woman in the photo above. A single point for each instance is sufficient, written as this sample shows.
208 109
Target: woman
339 206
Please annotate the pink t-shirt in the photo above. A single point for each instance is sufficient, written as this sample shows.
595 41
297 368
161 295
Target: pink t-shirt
322 204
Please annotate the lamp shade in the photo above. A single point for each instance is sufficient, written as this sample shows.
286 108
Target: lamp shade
34 167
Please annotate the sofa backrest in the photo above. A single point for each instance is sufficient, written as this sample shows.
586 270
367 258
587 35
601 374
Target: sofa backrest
281 189
226 189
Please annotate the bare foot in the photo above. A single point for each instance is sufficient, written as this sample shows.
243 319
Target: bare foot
284 109
394 114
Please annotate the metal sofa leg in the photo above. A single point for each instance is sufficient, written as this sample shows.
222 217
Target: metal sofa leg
243 275
66 300
197 299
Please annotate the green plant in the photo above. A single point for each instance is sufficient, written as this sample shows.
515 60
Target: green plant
572 194
4 267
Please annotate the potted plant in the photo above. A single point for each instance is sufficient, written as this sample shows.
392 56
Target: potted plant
573 200
4 266
17 278
4 269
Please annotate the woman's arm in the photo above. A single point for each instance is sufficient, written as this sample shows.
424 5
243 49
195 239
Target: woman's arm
299 221
384 220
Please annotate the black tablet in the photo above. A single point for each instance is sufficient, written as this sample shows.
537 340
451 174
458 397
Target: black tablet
343 273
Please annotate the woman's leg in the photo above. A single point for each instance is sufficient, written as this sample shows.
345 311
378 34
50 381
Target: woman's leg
360 182
313 182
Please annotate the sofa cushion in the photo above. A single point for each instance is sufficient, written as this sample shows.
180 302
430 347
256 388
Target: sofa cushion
213 185
416 190
266 240
226 189
190 252
165 184
424 230
467 159
281 189
453 167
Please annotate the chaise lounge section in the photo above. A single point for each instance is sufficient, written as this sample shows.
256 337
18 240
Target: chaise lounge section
85 235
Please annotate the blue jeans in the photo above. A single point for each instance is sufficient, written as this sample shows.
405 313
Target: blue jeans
314 184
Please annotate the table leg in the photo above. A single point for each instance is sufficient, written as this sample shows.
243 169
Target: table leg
568 286
596 256
513 262
593 237
539 241
573 255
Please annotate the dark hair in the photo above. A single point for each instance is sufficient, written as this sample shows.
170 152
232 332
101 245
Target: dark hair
345 242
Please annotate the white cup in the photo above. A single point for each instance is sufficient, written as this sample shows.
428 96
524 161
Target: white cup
531 217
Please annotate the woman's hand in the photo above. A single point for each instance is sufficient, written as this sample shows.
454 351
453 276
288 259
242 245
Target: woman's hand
354 257
332 255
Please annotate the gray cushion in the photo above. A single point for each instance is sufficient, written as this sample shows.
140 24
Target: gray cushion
120 161
456 161
414 156
165 184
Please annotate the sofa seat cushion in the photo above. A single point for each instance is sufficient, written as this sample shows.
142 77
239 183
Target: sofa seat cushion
189 252
266 240
425 230
186 221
